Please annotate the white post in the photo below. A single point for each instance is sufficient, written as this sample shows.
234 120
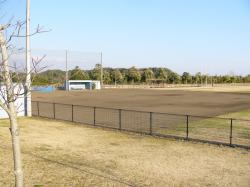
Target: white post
101 72
67 74
28 58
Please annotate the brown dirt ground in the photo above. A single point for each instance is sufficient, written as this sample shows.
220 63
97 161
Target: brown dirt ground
170 101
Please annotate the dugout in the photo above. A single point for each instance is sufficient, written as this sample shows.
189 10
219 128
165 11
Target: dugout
82 85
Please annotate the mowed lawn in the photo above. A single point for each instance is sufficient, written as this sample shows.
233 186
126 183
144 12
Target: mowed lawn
57 153
213 128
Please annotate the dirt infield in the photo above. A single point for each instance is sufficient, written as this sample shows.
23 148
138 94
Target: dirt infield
170 101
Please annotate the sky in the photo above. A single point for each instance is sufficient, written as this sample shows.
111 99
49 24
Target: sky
209 36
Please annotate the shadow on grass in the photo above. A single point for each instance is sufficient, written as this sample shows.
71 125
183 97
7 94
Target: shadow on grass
72 165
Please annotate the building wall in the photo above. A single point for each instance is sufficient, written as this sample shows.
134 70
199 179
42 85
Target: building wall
82 84
19 104
97 85
77 86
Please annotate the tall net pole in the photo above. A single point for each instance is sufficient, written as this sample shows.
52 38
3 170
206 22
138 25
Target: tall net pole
101 72
28 58
66 71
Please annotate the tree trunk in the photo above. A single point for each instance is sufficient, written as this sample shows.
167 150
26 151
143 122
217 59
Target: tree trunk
14 130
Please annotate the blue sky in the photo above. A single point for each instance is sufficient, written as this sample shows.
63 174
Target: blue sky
211 36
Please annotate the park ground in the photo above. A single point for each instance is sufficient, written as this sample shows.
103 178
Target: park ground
192 101
216 88
57 153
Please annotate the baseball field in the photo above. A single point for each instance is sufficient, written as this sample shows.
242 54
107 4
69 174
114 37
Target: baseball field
192 102
210 114
61 153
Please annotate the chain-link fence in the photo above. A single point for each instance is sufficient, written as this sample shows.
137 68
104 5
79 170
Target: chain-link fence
227 131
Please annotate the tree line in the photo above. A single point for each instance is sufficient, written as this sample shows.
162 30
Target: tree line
135 75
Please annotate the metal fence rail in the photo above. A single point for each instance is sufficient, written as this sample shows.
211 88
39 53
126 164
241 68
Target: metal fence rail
217 130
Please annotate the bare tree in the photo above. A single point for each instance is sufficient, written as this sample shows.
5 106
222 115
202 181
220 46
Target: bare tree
8 105
10 91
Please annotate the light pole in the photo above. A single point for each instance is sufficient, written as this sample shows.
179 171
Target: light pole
101 72
66 71
28 58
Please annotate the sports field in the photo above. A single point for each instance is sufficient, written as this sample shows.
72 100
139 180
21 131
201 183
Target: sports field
164 104
57 153
192 102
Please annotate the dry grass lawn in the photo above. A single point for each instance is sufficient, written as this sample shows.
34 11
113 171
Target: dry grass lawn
228 89
64 154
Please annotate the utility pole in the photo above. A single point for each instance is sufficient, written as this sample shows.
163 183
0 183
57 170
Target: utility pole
101 72
66 71
28 58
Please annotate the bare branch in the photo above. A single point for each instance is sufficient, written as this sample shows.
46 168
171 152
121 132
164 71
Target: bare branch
4 107
3 27
17 31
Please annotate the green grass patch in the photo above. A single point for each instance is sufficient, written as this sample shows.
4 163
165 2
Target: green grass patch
215 128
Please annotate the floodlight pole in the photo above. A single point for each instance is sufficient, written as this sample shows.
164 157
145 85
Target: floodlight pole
67 74
28 58
101 72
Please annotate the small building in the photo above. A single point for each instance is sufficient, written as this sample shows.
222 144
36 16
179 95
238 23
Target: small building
82 85
19 102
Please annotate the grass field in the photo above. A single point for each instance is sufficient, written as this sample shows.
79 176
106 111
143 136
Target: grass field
63 154
215 128
234 89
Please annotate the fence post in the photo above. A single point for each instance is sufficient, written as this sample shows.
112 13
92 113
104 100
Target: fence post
94 115
54 109
72 114
151 122
187 128
38 111
231 131
120 119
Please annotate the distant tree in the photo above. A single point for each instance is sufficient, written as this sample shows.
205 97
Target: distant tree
186 77
96 72
246 79
49 76
197 78
205 78
78 74
40 81
162 74
134 75
217 79
147 75
233 79
174 78
116 76
226 79
238 79
124 73
106 77
124 76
